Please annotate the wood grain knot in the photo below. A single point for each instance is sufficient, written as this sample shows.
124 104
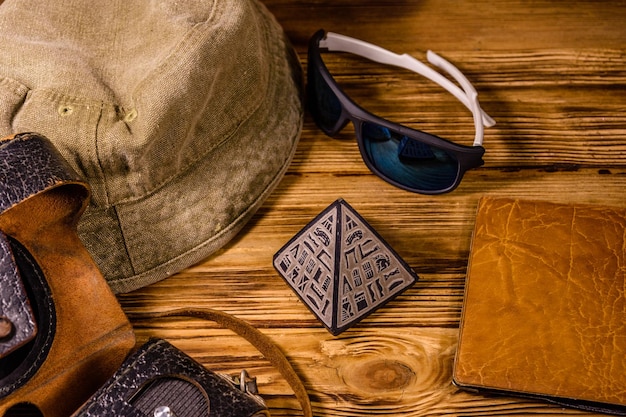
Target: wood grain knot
379 375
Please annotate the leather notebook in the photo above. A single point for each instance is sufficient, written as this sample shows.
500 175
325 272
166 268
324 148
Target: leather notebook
544 313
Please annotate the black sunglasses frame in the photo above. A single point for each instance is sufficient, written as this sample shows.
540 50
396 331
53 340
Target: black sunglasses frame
468 157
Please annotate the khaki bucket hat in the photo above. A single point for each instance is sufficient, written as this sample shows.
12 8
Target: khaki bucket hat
182 116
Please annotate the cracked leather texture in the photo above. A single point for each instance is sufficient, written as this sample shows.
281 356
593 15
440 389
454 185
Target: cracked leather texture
14 303
159 374
29 164
544 312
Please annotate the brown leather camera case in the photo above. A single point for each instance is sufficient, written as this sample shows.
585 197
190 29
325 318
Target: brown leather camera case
78 335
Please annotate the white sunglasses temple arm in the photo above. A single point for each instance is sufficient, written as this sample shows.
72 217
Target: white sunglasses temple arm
481 118
468 96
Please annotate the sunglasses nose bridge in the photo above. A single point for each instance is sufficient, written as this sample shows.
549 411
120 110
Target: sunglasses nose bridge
358 132
343 120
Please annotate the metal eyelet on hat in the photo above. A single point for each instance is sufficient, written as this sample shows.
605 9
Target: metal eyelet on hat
65 110
130 115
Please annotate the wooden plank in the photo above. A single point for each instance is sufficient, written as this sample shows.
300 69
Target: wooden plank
432 233
383 371
553 75
448 24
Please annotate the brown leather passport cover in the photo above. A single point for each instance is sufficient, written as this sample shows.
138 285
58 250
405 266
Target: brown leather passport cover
544 313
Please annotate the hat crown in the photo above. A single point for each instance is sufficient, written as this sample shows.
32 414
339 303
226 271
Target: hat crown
182 116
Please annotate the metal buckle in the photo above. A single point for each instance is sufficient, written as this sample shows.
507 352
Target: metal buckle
246 383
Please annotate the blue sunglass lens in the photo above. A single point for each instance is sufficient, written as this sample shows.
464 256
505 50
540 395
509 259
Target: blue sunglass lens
409 162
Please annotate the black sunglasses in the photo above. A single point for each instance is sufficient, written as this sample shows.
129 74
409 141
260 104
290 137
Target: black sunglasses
407 158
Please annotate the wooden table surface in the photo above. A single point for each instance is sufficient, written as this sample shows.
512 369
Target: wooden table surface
552 74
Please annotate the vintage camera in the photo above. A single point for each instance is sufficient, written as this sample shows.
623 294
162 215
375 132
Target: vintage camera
159 380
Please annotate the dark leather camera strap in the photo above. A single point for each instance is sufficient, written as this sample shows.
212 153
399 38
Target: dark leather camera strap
255 337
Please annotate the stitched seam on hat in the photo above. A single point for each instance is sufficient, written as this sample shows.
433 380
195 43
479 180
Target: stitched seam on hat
100 167
123 239
233 227
167 61
16 87
20 91
53 95
131 283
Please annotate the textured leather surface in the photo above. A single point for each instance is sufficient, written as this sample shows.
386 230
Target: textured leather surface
18 367
29 164
15 308
545 309
152 376
79 346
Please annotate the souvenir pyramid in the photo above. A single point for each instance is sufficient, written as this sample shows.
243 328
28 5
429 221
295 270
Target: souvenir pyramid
341 268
